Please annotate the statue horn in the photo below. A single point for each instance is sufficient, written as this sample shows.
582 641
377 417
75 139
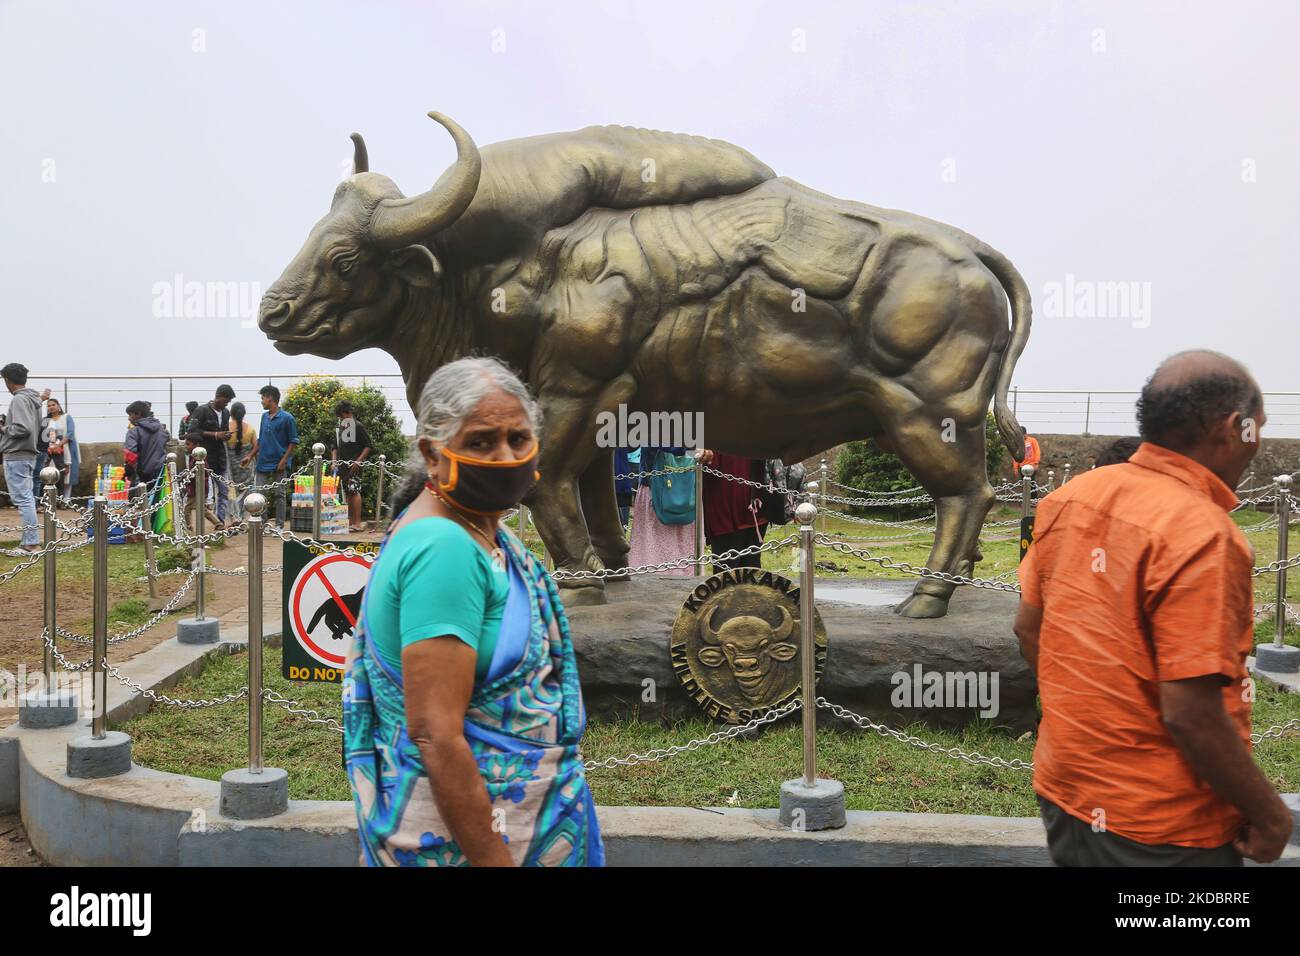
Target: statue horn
400 222
360 158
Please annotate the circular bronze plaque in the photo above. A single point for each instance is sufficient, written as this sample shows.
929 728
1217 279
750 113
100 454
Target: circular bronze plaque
735 644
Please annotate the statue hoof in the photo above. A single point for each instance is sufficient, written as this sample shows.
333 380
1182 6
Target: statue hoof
586 595
922 606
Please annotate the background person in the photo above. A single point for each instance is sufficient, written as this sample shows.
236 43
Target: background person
191 491
1117 452
626 462
1137 569
144 449
276 440
461 697
733 517
210 427
652 541
57 445
352 445
240 447
18 437
184 426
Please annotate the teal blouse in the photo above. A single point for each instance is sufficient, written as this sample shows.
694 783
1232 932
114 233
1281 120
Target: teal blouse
433 580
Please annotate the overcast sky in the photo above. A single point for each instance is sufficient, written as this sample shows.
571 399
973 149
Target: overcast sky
1146 143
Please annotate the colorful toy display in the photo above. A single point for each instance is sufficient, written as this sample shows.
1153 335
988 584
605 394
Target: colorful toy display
334 512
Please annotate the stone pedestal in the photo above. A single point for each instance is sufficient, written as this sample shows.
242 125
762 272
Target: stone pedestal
819 807
1277 660
193 631
88 757
253 796
623 658
41 710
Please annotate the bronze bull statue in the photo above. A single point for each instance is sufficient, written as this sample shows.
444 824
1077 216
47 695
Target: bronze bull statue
674 273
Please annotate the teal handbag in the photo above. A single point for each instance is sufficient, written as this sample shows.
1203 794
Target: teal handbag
673 495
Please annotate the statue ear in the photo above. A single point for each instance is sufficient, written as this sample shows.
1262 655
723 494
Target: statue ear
711 657
416 266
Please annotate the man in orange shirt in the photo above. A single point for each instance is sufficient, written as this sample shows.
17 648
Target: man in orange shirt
1033 454
1137 614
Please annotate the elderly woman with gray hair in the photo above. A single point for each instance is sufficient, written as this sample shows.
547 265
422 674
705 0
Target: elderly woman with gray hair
461 706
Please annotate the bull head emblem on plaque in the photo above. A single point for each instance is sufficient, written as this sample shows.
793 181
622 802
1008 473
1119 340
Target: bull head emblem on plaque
751 647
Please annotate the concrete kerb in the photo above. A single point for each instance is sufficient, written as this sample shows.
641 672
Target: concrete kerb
148 817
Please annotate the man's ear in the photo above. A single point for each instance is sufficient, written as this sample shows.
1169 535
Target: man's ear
416 266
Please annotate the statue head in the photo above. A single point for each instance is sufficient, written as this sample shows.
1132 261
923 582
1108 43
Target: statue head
359 263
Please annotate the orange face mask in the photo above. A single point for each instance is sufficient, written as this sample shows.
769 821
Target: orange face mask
487 487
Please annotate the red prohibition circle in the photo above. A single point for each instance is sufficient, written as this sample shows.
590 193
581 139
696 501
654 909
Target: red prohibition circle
303 578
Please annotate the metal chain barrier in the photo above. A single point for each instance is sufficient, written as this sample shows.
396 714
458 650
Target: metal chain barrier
660 753
295 707
954 752
923 572
135 632
561 575
161 698
66 664
1277 730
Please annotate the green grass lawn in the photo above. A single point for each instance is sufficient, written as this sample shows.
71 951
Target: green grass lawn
878 773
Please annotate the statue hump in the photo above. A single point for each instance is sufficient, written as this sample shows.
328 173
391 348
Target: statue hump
530 185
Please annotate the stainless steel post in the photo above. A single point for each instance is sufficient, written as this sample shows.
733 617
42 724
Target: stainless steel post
200 511
821 508
318 479
178 518
1051 480
699 513
1066 477
805 515
1026 490
50 475
379 493
254 505
150 562
99 634
1283 518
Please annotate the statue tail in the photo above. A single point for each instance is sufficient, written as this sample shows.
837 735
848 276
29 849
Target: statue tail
1013 433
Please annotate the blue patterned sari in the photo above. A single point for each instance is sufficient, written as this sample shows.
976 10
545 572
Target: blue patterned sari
524 724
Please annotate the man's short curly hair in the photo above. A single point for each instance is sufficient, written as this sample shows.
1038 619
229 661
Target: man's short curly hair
1179 414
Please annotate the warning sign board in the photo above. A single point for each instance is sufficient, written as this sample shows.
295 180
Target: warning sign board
322 601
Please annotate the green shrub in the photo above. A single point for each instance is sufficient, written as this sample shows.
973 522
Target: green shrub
311 401
863 464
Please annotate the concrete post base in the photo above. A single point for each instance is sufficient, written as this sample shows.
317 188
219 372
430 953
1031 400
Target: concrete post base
88 757
819 807
190 630
1277 660
254 796
41 710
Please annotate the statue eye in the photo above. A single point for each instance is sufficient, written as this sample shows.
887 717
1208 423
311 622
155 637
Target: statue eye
344 266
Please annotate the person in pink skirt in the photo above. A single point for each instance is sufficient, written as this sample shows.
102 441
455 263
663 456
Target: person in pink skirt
654 542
